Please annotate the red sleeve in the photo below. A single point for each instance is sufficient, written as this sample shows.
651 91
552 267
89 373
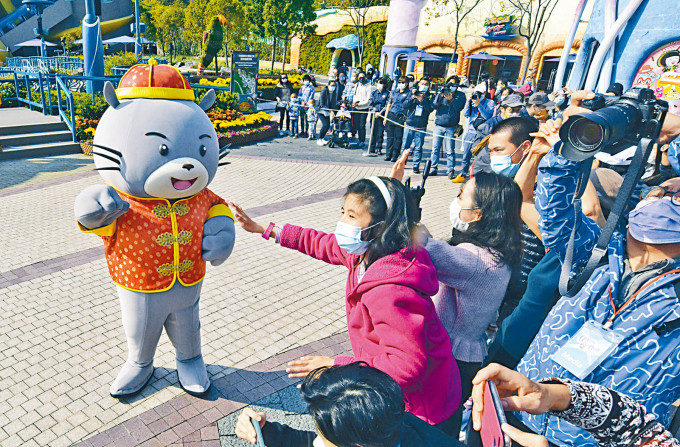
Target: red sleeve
215 199
317 244
398 315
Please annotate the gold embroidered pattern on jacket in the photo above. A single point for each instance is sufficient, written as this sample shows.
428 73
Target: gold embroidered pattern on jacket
169 269
164 210
167 239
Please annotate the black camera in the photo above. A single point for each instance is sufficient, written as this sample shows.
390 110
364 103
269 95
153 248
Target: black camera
614 125
448 88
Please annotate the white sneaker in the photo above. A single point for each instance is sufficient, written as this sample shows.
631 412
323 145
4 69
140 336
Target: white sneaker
320 142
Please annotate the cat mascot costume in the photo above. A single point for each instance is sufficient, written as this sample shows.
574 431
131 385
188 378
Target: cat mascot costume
157 151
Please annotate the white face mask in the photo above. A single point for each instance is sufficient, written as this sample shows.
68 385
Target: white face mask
380 87
454 214
306 82
401 86
331 88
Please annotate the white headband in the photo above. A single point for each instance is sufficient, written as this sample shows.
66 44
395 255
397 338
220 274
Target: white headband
383 190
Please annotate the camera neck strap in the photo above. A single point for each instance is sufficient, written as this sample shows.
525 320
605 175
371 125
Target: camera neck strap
635 170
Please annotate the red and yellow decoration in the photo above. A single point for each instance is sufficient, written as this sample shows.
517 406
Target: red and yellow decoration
155 82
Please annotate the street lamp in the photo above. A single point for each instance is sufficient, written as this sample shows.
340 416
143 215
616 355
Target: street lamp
39 6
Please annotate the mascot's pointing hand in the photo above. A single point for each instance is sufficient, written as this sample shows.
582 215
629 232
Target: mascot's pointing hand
98 206
218 239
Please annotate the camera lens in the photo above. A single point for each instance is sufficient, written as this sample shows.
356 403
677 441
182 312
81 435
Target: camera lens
590 133
586 135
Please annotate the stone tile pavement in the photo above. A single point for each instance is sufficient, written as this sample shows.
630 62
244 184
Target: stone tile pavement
62 341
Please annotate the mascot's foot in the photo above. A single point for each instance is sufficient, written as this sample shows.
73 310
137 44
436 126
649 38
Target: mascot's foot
193 377
131 380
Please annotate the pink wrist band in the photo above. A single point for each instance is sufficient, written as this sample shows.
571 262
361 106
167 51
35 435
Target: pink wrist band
268 231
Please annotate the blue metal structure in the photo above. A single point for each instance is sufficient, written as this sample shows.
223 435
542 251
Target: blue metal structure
20 14
652 24
93 49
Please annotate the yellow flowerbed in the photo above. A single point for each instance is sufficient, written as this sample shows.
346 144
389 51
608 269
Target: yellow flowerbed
252 120
264 82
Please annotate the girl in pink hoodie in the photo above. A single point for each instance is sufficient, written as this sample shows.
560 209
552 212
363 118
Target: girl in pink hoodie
392 322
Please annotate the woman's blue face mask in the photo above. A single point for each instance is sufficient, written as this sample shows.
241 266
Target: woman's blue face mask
349 238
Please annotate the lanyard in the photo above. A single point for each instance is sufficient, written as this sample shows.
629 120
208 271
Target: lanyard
616 312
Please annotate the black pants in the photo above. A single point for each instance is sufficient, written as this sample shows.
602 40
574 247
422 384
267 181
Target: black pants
360 124
325 125
394 134
303 121
283 113
468 371
449 426
377 130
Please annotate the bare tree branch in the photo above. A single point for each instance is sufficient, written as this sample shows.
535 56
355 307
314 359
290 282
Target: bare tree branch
460 8
533 16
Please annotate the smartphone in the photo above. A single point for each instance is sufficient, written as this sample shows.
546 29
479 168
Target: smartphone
492 419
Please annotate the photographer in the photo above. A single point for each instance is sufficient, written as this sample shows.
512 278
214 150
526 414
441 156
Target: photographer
627 310
448 104
538 105
477 110
417 110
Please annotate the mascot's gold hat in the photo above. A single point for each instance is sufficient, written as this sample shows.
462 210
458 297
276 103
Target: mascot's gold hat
155 82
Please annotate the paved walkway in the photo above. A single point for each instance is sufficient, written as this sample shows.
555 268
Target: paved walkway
62 341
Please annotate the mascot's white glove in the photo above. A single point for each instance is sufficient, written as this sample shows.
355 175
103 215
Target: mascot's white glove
219 235
98 206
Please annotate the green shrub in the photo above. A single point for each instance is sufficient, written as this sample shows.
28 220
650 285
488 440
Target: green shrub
313 51
7 91
117 59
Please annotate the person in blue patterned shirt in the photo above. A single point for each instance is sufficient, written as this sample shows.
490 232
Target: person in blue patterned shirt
633 297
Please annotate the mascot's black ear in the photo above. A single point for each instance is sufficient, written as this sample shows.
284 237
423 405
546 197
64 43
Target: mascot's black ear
110 95
208 100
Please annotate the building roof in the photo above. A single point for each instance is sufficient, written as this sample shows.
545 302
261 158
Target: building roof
348 42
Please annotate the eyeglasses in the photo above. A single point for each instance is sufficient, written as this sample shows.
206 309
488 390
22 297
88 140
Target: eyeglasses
659 192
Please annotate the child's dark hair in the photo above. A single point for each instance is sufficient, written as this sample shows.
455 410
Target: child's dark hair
398 221
355 405
499 200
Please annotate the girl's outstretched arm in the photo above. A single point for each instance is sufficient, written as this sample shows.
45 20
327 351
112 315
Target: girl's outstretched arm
317 244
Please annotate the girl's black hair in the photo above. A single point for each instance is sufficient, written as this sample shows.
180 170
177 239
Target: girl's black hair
667 54
499 200
396 223
355 405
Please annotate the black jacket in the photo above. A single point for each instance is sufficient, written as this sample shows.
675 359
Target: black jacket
278 92
328 100
414 119
379 100
448 112
415 433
